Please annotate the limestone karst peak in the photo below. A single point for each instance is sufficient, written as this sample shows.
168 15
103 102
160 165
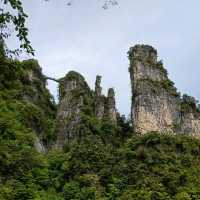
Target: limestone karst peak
74 96
77 104
112 112
156 104
98 87
99 99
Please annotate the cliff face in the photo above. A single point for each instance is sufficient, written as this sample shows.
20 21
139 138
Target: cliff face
156 105
190 116
40 103
27 100
74 94
79 106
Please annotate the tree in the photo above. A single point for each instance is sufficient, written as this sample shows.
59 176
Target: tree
12 20
12 16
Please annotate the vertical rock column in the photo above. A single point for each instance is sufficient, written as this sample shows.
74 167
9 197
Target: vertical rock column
155 102
72 91
99 99
104 106
112 113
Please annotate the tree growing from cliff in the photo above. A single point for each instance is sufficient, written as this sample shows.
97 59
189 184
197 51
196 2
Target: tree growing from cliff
12 23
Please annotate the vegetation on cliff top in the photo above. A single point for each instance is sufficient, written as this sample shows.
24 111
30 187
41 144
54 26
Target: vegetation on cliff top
159 86
190 104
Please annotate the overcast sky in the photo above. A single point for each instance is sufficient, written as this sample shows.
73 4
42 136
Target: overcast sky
86 38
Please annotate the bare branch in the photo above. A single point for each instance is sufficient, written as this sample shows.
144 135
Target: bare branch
52 79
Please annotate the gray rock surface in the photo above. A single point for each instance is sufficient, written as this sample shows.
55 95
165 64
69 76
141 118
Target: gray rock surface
112 112
156 105
72 91
99 99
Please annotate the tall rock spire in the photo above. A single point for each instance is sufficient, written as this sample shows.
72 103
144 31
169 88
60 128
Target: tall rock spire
112 113
104 106
73 95
98 87
156 104
99 99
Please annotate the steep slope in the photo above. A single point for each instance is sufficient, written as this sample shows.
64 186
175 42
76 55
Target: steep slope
25 99
75 106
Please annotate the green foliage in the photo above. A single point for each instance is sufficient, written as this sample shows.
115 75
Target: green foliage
160 66
176 126
183 196
158 86
145 167
71 191
108 163
25 99
13 16
188 104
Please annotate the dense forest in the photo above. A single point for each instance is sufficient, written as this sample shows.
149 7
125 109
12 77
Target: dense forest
106 163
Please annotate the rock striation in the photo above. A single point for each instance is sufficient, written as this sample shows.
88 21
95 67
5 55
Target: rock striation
156 104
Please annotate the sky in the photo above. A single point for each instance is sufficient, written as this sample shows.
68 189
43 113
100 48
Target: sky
88 39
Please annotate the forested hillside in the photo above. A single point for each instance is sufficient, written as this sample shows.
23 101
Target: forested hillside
107 163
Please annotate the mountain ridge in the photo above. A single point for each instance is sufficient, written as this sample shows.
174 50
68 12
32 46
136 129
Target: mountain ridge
82 148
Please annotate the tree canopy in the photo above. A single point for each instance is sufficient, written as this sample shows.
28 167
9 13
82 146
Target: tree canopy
12 23
13 17
107 163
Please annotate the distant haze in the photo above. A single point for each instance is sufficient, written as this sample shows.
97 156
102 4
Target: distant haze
88 39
